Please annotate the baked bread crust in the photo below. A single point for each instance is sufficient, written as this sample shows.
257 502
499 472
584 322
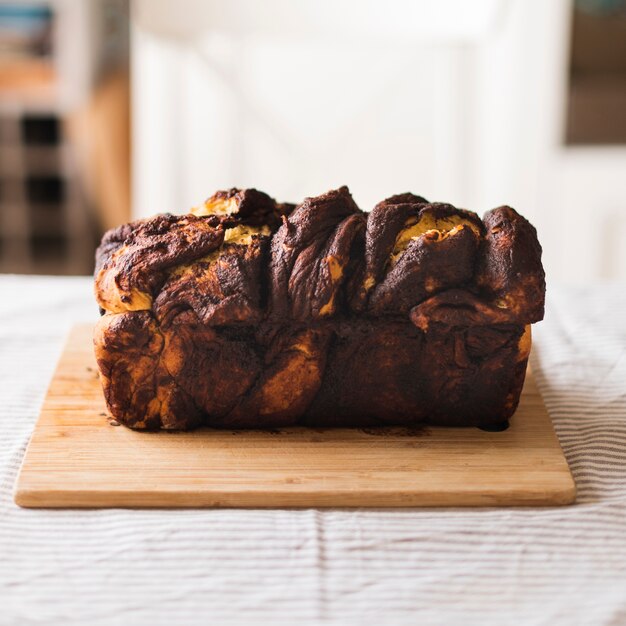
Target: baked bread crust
247 313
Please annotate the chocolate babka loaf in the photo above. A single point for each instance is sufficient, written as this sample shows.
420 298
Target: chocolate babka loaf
247 313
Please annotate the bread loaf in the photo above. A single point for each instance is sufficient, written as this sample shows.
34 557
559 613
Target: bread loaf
247 313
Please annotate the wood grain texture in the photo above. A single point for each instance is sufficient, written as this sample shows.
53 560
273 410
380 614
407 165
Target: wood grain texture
76 458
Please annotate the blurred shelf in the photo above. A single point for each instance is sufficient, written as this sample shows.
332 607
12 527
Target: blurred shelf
597 110
37 160
53 56
596 95
49 267
47 219
28 80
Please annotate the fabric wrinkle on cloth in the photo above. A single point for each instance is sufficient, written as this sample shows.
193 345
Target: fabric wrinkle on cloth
500 566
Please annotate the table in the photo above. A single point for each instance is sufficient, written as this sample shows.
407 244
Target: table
473 566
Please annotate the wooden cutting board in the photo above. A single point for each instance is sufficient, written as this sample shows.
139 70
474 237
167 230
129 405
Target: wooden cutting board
77 458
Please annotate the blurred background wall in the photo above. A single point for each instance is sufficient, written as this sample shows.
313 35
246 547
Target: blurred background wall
478 103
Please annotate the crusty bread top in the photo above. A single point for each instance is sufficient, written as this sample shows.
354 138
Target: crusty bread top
241 257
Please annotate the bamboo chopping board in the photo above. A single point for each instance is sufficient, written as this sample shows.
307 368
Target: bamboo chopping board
78 458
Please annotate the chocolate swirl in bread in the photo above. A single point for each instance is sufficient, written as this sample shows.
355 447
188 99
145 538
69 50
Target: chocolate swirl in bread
247 313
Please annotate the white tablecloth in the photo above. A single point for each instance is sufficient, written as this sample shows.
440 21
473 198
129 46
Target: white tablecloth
491 566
